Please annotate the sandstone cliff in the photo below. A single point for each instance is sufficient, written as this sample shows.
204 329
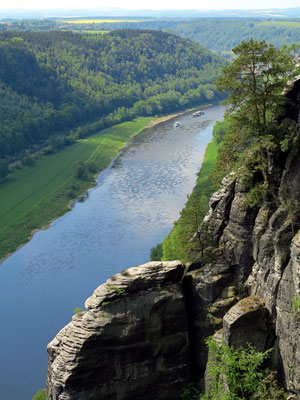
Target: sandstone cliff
143 333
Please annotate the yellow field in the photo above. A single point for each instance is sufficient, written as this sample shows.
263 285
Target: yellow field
98 21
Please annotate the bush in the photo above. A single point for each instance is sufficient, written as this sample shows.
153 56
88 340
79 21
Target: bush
239 374
295 313
92 167
156 252
190 393
28 160
3 168
40 395
78 310
81 171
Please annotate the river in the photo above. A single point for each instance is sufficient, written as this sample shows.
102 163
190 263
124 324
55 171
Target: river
132 208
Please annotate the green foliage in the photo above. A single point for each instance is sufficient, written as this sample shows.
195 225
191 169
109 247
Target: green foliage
3 168
40 395
230 150
295 312
239 374
219 34
119 291
51 82
255 81
256 195
92 167
177 244
81 170
190 393
33 196
78 310
28 160
156 252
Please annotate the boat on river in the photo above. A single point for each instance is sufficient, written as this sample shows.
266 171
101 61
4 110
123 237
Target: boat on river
197 114
177 123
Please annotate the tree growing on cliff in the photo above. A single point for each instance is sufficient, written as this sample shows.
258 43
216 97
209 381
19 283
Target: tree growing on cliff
255 82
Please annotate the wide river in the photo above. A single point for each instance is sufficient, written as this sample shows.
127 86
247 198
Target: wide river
132 208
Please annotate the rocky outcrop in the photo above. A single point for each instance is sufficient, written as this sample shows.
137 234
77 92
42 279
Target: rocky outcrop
132 336
142 335
247 323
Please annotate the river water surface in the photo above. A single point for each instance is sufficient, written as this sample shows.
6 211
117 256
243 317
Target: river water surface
131 209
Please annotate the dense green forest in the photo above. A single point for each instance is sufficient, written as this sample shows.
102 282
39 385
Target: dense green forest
219 34
51 82
223 34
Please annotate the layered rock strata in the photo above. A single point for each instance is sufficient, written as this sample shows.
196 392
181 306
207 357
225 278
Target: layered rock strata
131 342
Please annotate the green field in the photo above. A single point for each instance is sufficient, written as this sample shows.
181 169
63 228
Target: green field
35 195
279 24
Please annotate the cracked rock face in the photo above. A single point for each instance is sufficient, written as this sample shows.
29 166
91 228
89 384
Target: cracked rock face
209 294
264 252
132 336
287 323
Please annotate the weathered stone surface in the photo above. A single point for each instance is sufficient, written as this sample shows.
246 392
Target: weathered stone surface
288 324
247 323
205 290
236 240
220 204
127 342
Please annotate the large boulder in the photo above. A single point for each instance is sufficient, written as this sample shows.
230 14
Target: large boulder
132 336
247 323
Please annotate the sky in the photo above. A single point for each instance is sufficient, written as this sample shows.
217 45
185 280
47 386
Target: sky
150 4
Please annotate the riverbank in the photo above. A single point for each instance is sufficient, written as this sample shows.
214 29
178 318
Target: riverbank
33 197
176 245
36 195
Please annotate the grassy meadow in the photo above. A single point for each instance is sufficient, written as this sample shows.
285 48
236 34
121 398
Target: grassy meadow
33 196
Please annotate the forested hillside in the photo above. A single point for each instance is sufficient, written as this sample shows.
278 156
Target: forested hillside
219 34
50 82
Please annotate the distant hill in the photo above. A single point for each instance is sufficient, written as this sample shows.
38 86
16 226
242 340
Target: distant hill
51 82
218 34
123 12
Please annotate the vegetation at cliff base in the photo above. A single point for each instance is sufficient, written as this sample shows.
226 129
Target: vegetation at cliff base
40 395
177 245
239 374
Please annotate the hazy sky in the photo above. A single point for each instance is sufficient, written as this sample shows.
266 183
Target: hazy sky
150 4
